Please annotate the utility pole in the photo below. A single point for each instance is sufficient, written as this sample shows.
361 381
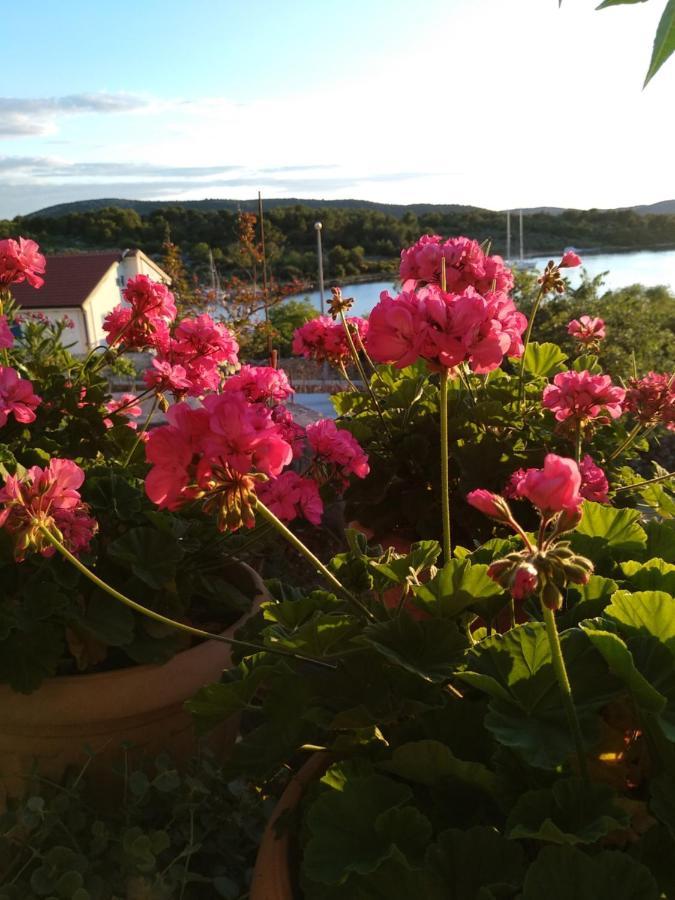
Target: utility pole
319 251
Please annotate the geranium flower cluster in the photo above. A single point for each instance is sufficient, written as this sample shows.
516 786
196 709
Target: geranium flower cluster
46 498
126 406
337 453
555 490
588 330
446 329
21 261
144 323
16 397
189 361
579 398
593 486
6 336
466 265
290 496
323 339
652 399
260 384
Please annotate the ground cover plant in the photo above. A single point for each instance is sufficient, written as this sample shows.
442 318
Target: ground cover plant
495 699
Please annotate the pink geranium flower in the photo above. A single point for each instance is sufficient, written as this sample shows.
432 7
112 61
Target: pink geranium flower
21 261
323 339
570 260
587 329
46 498
594 484
465 265
136 332
16 397
290 496
149 299
165 377
260 384
579 397
554 488
126 406
6 336
337 449
652 399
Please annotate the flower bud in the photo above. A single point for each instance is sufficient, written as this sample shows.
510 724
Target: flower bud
569 519
524 582
490 504
551 596
570 260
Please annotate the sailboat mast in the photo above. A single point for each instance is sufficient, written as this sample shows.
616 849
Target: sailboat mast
508 234
522 243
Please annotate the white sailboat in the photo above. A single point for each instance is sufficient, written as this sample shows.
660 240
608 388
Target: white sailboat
521 262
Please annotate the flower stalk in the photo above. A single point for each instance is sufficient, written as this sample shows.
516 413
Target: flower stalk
445 480
165 620
562 678
316 563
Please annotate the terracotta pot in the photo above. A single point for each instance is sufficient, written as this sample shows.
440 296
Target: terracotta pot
273 875
68 718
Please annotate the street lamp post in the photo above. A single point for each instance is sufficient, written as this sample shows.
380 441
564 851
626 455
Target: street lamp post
319 252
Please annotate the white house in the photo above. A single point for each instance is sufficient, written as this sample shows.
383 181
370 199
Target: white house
85 287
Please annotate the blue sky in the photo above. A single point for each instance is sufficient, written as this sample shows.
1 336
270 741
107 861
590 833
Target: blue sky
498 103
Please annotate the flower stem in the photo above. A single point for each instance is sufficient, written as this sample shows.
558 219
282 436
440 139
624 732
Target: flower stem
139 437
359 366
565 688
346 377
313 560
640 484
578 444
630 439
528 335
165 620
445 485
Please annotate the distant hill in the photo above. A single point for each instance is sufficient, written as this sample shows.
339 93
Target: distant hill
143 207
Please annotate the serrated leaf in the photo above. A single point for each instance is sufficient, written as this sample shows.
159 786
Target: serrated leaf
570 812
525 710
544 360
108 620
647 612
457 586
653 575
561 873
621 663
664 42
150 555
430 648
477 858
431 763
341 828
605 530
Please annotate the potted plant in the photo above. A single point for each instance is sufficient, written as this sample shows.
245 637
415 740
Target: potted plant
78 671
505 729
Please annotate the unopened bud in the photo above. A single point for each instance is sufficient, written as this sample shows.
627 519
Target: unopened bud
490 504
569 519
524 582
551 596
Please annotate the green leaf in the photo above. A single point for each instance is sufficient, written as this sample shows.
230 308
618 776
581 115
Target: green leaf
607 3
587 363
525 710
27 658
661 540
477 858
431 763
544 360
109 620
423 554
653 575
151 555
570 812
343 838
662 804
647 612
664 42
562 873
605 530
621 663
430 648
457 586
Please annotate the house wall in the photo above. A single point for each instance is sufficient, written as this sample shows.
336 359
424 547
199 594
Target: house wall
139 264
77 336
105 296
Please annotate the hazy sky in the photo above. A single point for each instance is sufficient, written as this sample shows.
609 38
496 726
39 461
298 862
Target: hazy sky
496 103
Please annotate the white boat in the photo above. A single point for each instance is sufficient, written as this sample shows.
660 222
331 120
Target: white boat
521 263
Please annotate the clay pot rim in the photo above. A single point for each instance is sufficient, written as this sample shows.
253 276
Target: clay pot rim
271 878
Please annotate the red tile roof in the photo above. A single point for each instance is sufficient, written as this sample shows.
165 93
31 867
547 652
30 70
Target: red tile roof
69 280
